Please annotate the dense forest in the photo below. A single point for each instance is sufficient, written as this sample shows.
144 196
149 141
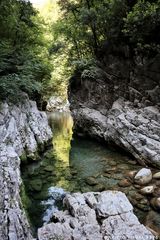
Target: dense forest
40 51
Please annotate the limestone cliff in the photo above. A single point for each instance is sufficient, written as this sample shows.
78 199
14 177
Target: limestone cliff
22 130
119 101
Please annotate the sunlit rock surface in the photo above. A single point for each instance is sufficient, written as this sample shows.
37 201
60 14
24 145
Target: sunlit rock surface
22 130
119 101
137 130
95 216
56 103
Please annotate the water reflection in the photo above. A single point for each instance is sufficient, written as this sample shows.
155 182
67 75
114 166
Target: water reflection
78 165
44 180
61 124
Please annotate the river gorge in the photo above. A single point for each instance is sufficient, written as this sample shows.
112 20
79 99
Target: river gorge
61 183
80 164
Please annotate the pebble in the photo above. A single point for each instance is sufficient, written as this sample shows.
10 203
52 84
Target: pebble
138 196
131 174
157 183
137 186
143 204
156 192
109 170
147 190
112 163
156 175
153 222
99 188
155 203
91 181
124 183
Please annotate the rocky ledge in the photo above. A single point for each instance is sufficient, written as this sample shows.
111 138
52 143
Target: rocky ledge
95 216
59 104
135 129
22 130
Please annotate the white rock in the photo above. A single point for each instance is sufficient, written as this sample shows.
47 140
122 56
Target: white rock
124 226
112 203
136 130
56 103
117 224
23 127
156 175
143 176
147 190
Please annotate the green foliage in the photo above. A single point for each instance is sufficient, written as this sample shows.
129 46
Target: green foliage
77 33
23 57
87 24
142 25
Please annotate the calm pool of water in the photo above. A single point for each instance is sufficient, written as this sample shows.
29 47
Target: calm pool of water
71 165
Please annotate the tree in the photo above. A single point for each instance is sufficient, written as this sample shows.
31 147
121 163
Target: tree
23 57
142 26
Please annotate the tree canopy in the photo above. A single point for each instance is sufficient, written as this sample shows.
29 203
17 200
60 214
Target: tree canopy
87 24
23 54
39 52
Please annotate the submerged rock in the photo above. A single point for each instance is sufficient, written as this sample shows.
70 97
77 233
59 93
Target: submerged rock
155 203
131 174
91 181
124 183
95 216
153 222
99 187
23 129
156 192
36 185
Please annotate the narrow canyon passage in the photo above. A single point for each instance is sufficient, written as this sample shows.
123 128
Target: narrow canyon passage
76 164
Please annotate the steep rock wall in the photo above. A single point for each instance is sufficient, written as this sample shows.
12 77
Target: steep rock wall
22 130
137 80
119 101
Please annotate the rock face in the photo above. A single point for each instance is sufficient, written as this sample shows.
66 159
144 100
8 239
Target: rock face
95 216
57 104
22 129
119 100
137 130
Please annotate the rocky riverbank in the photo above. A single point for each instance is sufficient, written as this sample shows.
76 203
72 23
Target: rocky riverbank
23 131
106 215
118 100
135 129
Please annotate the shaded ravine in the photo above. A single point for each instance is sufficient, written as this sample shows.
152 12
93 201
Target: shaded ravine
72 165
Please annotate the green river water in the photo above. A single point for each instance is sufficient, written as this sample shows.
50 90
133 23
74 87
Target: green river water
71 165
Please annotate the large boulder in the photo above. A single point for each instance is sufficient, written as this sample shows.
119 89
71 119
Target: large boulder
107 215
22 130
119 100
135 129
